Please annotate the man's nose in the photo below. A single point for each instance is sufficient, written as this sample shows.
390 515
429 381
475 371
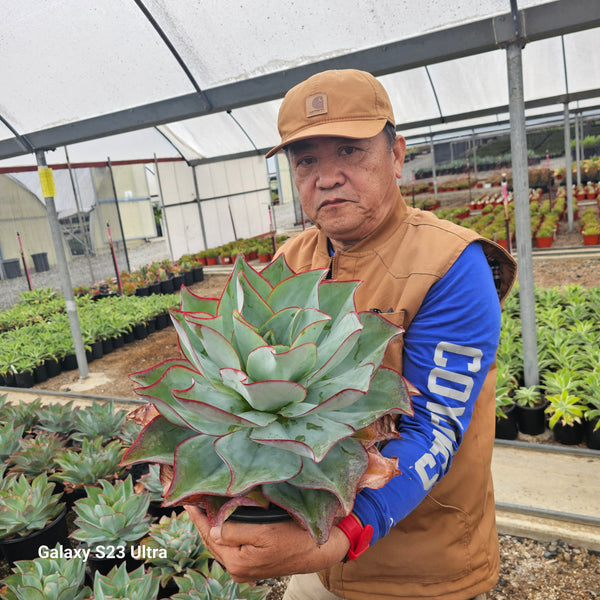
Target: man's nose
330 173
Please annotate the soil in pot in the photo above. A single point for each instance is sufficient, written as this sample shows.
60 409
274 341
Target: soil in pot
531 419
570 435
27 548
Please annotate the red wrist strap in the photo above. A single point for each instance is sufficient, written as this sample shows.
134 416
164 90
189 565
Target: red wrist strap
359 536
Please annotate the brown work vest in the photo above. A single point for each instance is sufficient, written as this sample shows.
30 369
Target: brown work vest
447 547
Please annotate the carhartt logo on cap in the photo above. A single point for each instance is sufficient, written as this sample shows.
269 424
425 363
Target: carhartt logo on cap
316 105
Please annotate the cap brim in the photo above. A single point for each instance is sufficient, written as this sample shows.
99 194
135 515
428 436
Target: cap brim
346 129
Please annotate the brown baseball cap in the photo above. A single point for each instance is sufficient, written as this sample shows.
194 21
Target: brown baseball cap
344 103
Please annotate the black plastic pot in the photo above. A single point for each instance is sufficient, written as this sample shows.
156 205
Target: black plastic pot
142 291
166 287
251 514
506 427
151 326
97 350
53 367
118 341
591 434
570 435
24 379
177 282
531 420
69 362
40 374
154 288
198 274
107 346
188 278
128 337
163 320
9 379
140 331
26 548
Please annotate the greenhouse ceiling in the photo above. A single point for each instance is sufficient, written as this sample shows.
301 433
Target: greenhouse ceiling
210 74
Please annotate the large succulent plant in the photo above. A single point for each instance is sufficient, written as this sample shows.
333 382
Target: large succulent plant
27 506
47 579
278 397
121 585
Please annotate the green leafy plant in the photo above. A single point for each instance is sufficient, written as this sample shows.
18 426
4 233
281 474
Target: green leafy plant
10 436
27 506
47 578
36 455
151 483
529 396
98 420
120 585
111 515
564 408
278 391
86 466
57 418
174 546
217 584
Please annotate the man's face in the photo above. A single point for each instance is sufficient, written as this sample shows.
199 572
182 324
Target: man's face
347 186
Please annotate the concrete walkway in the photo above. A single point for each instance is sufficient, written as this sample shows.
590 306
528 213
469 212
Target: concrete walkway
548 487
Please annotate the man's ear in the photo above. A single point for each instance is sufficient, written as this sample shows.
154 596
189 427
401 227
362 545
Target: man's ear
399 151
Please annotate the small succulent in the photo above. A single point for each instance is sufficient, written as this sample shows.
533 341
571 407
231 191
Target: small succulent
180 539
111 515
57 418
23 413
47 579
151 483
9 439
120 585
279 397
89 464
217 584
36 455
98 420
27 506
128 432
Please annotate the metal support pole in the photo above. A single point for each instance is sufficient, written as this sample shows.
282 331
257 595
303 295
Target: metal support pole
577 149
114 187
518 146
63 269
162 207
202 230
568 166
84 232
433 172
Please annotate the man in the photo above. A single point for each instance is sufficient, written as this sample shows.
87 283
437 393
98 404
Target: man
433 526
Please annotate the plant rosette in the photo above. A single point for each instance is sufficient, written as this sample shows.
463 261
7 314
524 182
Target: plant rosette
279 398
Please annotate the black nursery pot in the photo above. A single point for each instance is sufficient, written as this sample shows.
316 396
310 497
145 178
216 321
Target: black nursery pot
69 362
24 379
107 346
506 428
251 514
27 548
40 374
140 331
570 435
531 420
53 368
591 434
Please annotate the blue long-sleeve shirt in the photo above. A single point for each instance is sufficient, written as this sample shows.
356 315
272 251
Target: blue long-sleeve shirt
448 350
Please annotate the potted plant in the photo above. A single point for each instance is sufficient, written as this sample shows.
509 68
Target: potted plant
530 410
216 583
118 583
290 387
10 436
36 455
57 418
30 515
173 547
98 420
591 392
591 233
545 235
566 411
93 462
109 520
48 577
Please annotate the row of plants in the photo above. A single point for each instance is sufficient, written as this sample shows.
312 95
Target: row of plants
567 399
259 248
74 524
589 170
32 353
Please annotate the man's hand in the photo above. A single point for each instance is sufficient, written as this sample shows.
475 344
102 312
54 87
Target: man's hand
251 552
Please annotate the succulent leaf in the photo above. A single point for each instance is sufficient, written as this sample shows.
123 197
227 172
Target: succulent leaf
276 397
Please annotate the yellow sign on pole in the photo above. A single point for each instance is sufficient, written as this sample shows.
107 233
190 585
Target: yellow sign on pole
47 181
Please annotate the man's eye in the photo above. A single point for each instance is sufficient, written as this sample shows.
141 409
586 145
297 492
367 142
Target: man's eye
348 150
306 160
